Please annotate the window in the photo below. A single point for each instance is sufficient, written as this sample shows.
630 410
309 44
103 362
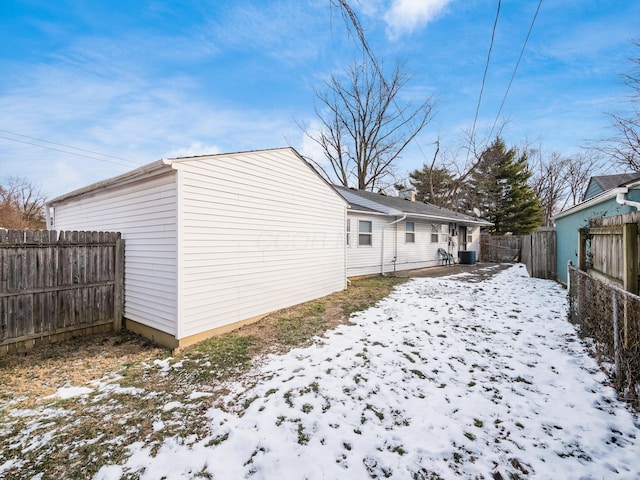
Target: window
469 238
348 230
410 232
365 233
444 233
435 230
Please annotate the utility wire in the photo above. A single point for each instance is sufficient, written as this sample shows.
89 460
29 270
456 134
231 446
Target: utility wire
484 76
126 161
349 15
68 152
516 68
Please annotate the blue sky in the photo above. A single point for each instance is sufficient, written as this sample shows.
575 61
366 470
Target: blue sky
139 80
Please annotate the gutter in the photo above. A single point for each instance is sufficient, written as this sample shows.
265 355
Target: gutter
622 200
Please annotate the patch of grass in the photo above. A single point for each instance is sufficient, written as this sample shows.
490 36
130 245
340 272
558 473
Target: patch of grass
226 355
399 450
470 436
97 428
249 401
408 357
477 422
418 374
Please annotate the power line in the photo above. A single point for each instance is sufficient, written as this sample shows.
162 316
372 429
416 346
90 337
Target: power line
516 67
486 68
126 163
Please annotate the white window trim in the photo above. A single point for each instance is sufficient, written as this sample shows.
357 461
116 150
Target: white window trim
411 233
370 234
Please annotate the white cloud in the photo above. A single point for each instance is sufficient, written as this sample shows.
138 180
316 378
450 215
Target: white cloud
405 16
193 150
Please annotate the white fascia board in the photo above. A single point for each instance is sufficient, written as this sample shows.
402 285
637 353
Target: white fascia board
478 223
150 170
356 211
609 194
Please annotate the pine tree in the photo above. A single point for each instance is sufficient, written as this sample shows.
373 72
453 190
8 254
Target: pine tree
433 185
499 188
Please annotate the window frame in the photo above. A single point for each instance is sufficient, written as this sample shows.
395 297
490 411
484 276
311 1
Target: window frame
410 235
365 234
435 233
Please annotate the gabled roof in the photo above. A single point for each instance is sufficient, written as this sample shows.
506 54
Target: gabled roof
602 183
599 198
163 167
377 203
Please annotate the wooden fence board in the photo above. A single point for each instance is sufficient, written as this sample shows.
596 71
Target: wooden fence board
612 244
53 286
537 251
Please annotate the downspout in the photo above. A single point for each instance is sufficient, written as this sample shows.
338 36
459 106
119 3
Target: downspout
621 199
382 243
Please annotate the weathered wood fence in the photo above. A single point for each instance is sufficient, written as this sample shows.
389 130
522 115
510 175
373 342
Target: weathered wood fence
537 251
608 249
500 249
53 287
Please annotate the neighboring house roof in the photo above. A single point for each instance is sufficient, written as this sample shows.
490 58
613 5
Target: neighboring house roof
601 197
602 183
377 203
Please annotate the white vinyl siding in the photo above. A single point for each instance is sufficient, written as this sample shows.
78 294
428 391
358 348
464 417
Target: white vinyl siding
408 255
260 231
145 214
366 260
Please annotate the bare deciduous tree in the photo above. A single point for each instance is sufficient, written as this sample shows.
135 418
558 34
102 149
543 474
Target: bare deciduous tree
363 126
625 144
21 205
559 182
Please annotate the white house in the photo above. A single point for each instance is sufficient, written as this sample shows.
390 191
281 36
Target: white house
214 241
386 234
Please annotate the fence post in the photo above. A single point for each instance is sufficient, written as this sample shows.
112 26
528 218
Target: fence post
118 296
630 257
616 340
582 250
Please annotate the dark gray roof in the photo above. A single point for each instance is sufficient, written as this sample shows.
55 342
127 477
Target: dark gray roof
607 182
366 201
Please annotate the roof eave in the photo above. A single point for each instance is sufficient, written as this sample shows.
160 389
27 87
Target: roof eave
593 201
147 171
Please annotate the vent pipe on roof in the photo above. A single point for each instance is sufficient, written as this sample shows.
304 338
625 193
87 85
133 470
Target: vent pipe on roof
621 199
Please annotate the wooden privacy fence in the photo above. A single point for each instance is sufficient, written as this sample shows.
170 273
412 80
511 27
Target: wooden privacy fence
608 249
500 249
53 287
537 251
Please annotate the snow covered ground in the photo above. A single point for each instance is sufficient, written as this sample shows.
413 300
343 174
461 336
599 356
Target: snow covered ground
443 379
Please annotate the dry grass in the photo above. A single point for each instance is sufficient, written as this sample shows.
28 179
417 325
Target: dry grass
40 372
74 437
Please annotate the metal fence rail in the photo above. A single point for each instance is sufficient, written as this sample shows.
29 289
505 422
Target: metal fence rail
611 317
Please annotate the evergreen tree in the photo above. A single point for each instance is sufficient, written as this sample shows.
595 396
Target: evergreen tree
433 185
499 188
